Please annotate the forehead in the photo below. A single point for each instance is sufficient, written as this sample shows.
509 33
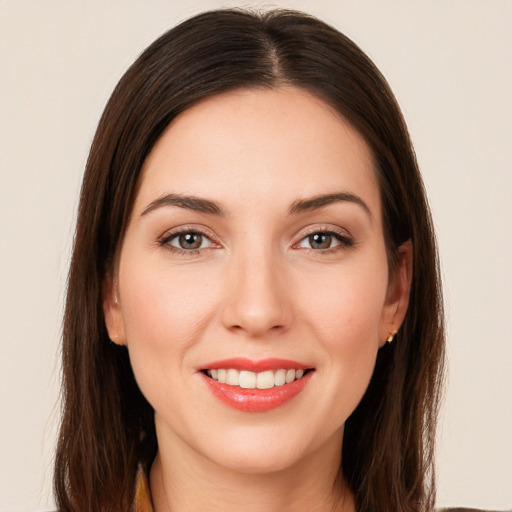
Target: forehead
255 145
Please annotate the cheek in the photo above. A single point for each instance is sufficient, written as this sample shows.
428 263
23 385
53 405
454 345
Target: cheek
163 304
348 305
165 312
345 315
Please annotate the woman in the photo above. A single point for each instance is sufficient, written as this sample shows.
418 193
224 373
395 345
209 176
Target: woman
254 314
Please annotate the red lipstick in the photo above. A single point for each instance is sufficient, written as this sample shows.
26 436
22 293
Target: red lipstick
241 363
254 399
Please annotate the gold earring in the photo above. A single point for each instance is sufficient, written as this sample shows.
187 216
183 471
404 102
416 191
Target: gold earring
115 339
392 334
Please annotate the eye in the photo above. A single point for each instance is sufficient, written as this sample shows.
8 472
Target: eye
324 240
187 241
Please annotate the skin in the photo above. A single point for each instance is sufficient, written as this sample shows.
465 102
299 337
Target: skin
257 287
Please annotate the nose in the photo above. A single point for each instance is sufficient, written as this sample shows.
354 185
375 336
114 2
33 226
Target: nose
258 302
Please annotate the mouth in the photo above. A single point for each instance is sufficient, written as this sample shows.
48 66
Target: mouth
256 386
246 379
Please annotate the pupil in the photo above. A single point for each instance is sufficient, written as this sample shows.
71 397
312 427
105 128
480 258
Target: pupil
320 241
190 241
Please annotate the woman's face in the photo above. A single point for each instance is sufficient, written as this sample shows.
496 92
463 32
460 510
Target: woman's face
255 248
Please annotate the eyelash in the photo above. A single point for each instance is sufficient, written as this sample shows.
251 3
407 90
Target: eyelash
165 240
344 240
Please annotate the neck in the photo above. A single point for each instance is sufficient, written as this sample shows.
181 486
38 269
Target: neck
197 484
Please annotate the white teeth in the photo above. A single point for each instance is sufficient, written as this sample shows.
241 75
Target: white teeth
251 380
247 379
232 377
290 376
280 377
265 380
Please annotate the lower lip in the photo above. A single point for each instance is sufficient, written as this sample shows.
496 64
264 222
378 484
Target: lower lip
257 400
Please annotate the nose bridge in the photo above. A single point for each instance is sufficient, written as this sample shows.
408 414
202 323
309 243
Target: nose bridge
257 301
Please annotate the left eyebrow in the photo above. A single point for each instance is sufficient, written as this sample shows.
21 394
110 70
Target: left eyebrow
193 203
316 202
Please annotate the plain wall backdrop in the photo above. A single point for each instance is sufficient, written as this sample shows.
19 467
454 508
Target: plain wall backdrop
450 66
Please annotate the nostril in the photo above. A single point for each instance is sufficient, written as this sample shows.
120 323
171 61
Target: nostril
257 330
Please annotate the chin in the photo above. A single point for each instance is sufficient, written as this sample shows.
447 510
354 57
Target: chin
256 462
261 454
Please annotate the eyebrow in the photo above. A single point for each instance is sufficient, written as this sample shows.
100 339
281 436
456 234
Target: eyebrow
202 205
193 203
316 202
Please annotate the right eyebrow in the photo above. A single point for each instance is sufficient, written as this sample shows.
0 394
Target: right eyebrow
193 203
317 202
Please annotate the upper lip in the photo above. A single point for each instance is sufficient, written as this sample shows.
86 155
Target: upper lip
242 363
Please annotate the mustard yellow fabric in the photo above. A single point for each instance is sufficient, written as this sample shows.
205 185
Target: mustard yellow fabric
142 501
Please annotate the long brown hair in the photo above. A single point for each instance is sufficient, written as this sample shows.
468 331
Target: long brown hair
108 427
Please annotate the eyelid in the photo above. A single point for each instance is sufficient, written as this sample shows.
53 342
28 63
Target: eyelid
168 235
342 235
323 228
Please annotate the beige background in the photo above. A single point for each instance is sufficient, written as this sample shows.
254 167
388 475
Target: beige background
449 64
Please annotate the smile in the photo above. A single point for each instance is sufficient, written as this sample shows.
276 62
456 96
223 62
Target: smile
256 386
250 380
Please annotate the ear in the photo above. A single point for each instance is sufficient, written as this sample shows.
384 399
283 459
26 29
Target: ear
112 311
397 297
